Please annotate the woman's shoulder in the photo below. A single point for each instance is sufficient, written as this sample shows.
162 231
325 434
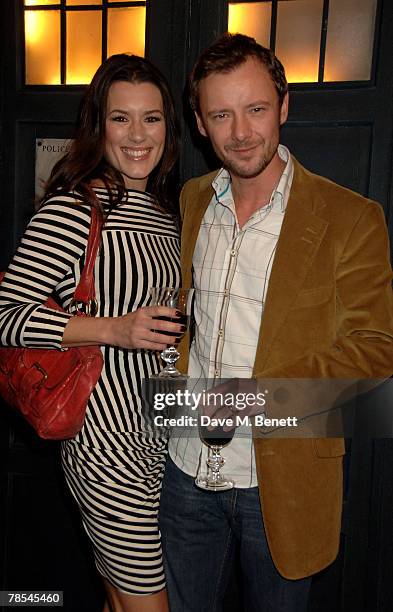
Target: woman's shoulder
63 214
65 198
65 203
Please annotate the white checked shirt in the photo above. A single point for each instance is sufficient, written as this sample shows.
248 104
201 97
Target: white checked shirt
231 275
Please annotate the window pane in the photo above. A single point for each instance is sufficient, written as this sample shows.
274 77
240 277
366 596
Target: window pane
83 45
251 18
74 2
298 39
350 39
126 30
36 2
42 39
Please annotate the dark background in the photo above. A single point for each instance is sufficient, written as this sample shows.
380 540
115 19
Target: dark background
341 131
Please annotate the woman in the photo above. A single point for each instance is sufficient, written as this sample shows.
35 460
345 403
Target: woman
121 162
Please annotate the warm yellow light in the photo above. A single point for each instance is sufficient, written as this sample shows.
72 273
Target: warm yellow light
126 30
298 33
75 2
83 52
34 26
251 18
307 75
42 46
37 2
81 77
237 20
298 39
126 34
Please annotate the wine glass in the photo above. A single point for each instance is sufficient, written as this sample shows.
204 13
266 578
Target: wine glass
215 480
181 299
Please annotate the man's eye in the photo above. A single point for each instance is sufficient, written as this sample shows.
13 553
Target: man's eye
219 116
257 109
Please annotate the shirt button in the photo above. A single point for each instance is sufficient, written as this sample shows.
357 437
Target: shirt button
221 333
216 373
233 253
226 292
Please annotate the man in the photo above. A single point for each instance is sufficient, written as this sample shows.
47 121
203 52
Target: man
293 280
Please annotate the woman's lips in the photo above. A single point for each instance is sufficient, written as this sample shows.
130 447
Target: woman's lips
136 154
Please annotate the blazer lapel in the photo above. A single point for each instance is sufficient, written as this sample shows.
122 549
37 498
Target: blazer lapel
301 235
198 201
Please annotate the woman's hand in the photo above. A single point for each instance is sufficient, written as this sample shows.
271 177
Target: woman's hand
143 329
150 327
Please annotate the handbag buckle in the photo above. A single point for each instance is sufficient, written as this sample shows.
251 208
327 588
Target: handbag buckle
41 371
89 308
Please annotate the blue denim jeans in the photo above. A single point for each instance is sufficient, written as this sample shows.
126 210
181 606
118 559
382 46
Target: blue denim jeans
200 530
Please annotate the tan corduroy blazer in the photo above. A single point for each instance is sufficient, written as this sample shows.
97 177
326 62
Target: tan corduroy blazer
328 314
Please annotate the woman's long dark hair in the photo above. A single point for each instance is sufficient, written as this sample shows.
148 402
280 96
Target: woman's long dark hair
85 162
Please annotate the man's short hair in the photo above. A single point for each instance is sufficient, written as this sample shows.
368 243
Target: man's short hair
227 53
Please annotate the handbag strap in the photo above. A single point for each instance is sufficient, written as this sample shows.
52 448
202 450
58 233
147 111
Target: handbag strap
85 292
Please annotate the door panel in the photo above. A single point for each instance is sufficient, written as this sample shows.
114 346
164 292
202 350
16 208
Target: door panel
347 146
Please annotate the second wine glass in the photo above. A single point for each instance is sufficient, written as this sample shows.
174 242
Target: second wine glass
214 479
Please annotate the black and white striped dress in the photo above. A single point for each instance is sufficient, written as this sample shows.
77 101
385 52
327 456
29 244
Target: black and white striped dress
113 468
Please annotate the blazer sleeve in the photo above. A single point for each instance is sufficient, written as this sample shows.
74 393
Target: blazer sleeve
363 347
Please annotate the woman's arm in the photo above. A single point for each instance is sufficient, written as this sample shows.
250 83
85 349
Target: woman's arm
56 238
133 330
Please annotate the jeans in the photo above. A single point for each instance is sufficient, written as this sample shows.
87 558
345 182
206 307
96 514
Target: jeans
200 530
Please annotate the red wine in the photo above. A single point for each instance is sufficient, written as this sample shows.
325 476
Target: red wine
216 437
183 319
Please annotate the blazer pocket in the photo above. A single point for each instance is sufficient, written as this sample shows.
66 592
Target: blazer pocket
313 297
329 447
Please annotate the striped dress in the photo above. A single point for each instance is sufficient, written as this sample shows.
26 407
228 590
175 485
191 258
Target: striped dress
113 467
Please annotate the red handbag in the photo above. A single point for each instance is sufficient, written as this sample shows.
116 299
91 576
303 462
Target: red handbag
51 388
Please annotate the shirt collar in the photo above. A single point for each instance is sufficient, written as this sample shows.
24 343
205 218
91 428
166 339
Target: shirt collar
279 198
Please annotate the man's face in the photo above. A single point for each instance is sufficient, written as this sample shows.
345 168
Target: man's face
239 112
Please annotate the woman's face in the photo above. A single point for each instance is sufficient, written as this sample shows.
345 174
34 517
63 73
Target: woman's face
135 131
